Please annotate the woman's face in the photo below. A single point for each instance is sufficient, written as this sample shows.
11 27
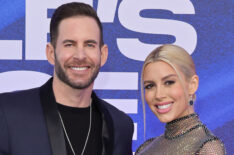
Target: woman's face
164 92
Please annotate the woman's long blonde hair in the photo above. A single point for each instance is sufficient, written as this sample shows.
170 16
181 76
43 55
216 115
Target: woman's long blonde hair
177 58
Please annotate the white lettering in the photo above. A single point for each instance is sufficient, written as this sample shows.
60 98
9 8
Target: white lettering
126 105
19 80
117 81
134 137
106 10
37 26
11 49
184 33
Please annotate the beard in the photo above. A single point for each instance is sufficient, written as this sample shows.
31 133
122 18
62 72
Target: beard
62 75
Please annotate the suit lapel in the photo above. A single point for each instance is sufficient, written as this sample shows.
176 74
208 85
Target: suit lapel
54 127
53 123
107 126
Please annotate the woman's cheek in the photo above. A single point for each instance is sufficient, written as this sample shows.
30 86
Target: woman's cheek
148 97
176 92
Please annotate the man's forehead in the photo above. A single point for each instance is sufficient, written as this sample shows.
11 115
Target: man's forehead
79 20
79 24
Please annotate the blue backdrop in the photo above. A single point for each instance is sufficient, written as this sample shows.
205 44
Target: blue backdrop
131 30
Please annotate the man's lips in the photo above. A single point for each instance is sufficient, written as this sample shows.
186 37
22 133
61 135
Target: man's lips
80 68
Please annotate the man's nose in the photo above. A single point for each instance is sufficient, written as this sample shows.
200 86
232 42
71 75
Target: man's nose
80 53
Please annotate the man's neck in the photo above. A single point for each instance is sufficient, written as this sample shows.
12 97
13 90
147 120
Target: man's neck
66 95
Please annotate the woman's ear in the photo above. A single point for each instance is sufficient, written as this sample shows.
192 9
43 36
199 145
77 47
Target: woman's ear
193 84
50 53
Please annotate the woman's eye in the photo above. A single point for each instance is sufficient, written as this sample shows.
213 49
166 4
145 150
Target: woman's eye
148 86
170 82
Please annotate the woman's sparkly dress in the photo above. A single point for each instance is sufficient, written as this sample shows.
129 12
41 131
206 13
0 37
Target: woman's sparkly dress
183 136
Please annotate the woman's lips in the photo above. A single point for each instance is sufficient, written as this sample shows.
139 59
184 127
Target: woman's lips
164 107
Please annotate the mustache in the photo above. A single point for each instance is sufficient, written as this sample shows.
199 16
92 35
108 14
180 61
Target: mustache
76 62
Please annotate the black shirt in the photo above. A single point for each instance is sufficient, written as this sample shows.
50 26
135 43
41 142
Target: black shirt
76 121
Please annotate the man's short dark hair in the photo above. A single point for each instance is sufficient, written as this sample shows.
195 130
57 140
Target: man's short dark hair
70 10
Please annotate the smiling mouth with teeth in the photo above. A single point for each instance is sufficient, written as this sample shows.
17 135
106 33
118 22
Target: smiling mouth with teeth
79 68
163 106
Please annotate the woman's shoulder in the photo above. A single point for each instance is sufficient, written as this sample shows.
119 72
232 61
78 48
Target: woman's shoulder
212 145
142 146
147 143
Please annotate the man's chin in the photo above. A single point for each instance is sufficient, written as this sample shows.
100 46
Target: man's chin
79 85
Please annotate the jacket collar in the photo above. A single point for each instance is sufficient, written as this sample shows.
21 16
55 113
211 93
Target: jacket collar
107 125
54 126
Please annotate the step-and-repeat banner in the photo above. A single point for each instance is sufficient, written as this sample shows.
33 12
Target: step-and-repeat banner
132 28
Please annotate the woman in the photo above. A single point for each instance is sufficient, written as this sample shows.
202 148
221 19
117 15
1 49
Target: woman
169 80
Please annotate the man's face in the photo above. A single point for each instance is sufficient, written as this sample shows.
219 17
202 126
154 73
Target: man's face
78 56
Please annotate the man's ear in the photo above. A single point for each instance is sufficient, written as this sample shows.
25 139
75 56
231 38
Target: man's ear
104 54
193 84
50 53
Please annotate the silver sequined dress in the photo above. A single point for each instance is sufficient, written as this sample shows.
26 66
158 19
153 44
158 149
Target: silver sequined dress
183 136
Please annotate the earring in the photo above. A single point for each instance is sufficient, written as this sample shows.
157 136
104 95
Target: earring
191 102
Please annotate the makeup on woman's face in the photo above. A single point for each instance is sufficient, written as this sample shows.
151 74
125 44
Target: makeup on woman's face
164 92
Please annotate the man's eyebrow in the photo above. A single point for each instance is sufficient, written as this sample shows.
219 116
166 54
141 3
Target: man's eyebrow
91 41
69 41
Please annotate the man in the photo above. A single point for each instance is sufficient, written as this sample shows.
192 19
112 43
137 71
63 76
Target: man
64 116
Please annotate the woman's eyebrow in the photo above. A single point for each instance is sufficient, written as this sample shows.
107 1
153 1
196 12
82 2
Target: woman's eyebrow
168 76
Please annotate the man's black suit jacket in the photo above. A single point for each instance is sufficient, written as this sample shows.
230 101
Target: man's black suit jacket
30 125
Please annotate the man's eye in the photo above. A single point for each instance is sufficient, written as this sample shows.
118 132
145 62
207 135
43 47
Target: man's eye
68 45
90 45
170 82
148 86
